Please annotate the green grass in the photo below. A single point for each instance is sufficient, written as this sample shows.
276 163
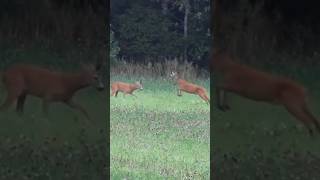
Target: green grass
63 122
256 140
159 135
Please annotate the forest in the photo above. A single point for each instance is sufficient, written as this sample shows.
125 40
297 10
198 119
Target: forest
152 30
64 27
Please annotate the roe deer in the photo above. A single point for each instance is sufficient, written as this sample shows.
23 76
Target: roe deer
21 80
260 86
125 88
188 87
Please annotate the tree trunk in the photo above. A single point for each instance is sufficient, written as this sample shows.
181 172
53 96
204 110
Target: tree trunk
185 26
216 23
164 6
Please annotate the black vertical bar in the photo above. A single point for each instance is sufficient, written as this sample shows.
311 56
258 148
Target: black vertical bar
211 94
107 87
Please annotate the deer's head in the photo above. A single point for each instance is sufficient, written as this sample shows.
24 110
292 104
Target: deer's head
174 75
93 76
139 84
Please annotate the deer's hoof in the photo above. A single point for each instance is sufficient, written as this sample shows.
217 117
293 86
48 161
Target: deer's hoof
221 108
226 107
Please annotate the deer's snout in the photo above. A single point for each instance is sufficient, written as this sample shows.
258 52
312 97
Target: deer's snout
100 86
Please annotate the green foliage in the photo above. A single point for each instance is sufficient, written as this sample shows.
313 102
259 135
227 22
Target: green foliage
146 32
114 48
53 23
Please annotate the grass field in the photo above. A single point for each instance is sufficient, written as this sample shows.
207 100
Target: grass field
159 135
260 141
62 146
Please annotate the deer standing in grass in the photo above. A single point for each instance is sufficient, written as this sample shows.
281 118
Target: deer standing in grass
188 87
22 80
260 86
125 88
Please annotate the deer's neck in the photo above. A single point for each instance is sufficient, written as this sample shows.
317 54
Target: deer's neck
221 61
134 86
178 79
77 81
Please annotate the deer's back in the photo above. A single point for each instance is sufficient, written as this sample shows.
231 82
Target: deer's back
259 85
35 80
188 87
121 86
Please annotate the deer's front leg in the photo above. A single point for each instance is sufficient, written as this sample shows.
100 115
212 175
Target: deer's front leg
77 106
221 101
20 103
224 100
133 95
179 92
218 99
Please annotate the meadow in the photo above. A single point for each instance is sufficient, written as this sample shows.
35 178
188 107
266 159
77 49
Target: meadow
60 146
158 135
256 140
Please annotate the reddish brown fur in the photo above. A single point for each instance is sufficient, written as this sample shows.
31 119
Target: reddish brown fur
21 80
125 88
188 87
260 86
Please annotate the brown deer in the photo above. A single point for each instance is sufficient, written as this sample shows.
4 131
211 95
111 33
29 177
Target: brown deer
22 80
125 88
260 86
188 87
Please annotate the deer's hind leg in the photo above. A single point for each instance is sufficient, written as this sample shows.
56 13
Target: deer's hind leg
225 100
297 106
221 101
114 93
14 90
77 106
204 97
300 115
10 99
133 95
312 118
12 96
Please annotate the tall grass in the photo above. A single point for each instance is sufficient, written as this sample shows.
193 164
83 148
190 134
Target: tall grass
158 70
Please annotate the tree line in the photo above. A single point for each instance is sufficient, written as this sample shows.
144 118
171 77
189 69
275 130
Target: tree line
53 22
153 30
